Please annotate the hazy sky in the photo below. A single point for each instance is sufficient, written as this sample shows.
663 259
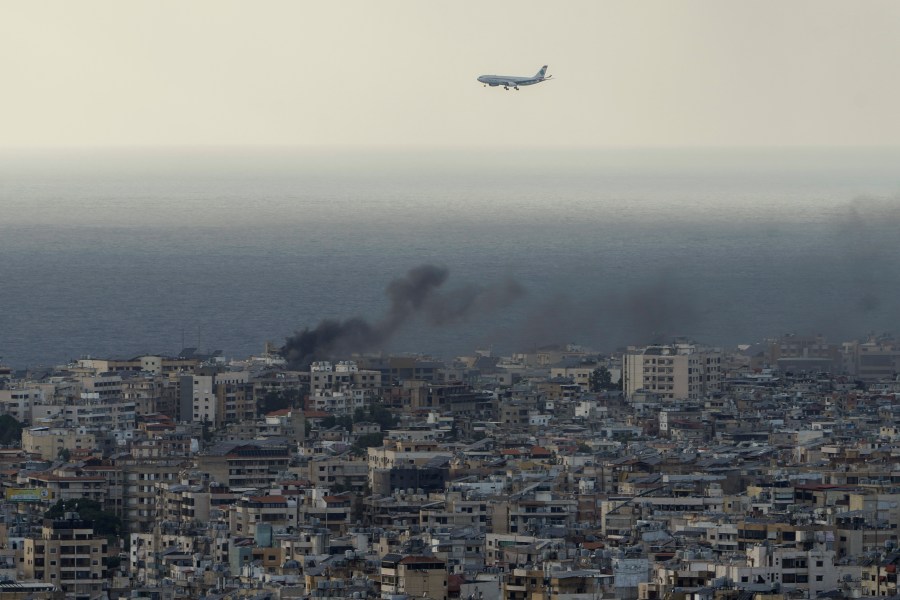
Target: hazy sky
647 73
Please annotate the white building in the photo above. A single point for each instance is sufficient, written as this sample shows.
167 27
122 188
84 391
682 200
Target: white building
342 377
198 399
19 403
674 372
96 413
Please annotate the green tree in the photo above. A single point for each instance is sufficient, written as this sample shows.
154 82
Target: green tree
10 431
369 440
381 415
105 523
278 400
600 380
345 422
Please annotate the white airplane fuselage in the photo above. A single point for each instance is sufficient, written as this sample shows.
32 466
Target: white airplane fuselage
509 81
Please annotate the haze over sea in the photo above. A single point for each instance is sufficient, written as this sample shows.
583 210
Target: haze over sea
118 253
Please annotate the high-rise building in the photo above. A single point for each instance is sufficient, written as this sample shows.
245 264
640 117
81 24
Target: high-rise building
68 554
672 372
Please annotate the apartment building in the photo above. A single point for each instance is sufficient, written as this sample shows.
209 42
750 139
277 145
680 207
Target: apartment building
198 399
18 403
413 577
51 442
100 413
812 354
533 584
105 386
536 512
250 512
234 396
158 365
344 473
674 372
246 464
217 398
873 360
455 512
69 487
406 463
144 391
579 375
141 489
333 512
68 554
343 375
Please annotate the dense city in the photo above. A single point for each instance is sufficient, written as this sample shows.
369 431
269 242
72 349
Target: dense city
674 471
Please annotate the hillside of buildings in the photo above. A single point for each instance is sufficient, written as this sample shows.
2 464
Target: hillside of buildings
663 472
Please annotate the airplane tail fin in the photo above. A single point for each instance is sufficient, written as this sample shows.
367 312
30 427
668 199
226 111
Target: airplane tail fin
540 74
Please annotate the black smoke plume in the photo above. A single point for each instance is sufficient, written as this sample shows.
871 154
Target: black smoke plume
416 294
651 311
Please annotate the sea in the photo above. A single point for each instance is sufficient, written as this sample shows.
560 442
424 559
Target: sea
121 252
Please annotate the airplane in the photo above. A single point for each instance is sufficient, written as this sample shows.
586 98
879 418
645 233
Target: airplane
514 82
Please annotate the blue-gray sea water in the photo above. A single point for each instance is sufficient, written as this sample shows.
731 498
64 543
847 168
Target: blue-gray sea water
116 253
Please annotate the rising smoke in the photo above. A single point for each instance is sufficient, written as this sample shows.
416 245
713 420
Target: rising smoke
862 251
652 311
835 276
418 294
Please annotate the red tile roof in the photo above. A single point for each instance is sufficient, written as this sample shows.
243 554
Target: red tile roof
268 499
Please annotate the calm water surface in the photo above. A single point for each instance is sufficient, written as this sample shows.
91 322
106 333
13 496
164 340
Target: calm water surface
120 253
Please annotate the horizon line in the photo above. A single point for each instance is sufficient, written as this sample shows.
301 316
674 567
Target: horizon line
439 147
